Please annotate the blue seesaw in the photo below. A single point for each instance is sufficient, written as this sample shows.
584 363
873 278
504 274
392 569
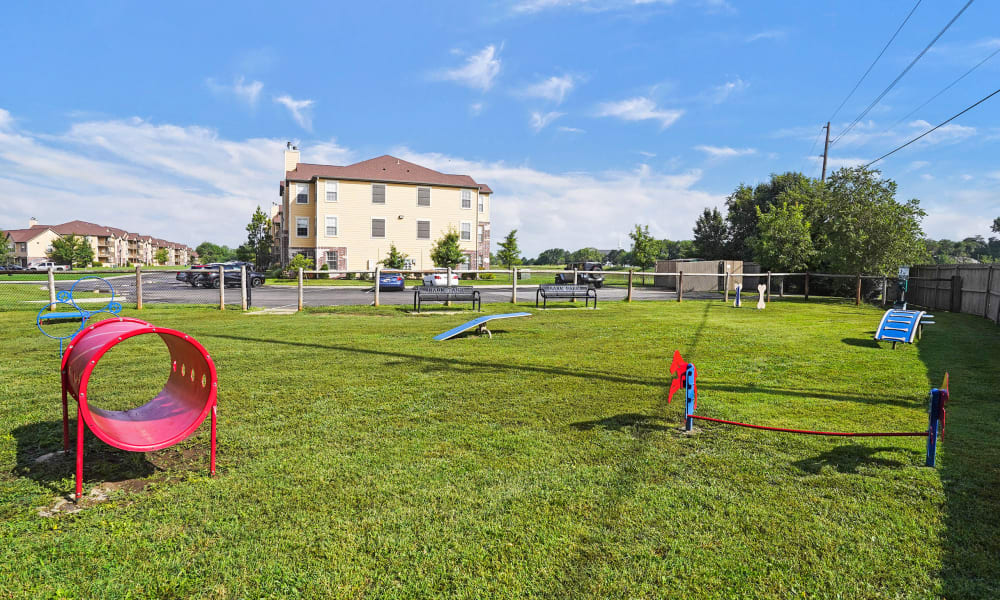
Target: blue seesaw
480 323
48 314
900 325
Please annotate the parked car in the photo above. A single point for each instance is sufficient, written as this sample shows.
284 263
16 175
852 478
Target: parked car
231 272
391 281
11 268
197 275
587 274
440 279
45 266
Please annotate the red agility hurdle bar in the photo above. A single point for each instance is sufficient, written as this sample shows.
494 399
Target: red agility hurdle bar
687 378
187 397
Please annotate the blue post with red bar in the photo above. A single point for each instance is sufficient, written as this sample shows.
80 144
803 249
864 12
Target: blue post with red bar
935 413
689 397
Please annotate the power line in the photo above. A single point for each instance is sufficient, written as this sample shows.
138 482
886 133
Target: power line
941 124
871 66
900 76
811 148
946 88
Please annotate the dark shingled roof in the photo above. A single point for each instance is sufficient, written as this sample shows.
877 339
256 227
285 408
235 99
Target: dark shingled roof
385 169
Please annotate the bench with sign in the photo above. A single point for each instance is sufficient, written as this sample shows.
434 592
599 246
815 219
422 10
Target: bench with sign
451 293
572 292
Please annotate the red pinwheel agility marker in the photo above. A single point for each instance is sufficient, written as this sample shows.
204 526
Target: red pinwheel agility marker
187 397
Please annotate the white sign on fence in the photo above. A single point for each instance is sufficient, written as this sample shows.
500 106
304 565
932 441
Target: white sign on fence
904 272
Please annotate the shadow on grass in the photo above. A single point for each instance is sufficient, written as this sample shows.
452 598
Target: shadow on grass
40 459
633 423
848 458
862 343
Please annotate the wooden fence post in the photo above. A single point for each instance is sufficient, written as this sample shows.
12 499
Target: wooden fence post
300 288
138 287
52 287
989 288
857 292
378 276
680 286
222 288
885 289
725 297
781 287
630 285
806 287
768 287
243 287
513 284
956 293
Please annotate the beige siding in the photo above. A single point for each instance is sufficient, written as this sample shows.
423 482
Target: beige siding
37 247
296 210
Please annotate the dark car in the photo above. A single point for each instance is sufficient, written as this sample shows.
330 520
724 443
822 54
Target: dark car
391 281
232 276
588 273
11 268
197 275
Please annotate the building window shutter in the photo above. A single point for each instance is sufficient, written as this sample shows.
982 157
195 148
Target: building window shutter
378 193
423 196
378 228
423 230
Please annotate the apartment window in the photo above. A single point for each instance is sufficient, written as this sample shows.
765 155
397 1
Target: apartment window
378 228
482 203
302 193
466 231
423 196
332 260
423 230
479 234
302 226
466 199
331 226
331 191
378 193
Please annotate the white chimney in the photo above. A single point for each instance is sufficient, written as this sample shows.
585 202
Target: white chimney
291 157
32 222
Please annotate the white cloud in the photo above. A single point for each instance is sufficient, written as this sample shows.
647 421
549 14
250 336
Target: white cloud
647 154
247 92
554 88
534 6
967 177
722 92
540 121
918 164
835 162
479 71
476 108
639 109
300 110
725 151
926 176
571 129
535 202
770 34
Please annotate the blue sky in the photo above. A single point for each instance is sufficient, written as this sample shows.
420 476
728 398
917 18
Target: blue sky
585 117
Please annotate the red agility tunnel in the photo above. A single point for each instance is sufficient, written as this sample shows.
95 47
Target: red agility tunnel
187 397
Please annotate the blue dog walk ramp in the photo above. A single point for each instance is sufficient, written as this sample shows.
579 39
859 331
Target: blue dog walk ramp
480 322
901 326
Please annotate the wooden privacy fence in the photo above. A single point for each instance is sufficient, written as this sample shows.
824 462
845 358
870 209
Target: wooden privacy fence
970 289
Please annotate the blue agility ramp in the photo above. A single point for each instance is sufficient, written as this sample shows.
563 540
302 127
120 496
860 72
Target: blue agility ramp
480 322
902 326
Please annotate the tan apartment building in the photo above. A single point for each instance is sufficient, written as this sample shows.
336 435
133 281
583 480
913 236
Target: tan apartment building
346 217
30 245
113 247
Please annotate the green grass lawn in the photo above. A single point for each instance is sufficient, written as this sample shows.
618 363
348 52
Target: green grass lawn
359 458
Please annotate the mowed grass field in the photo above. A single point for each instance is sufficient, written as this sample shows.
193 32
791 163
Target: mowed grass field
360 459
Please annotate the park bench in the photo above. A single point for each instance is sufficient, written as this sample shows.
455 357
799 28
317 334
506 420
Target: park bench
556 291
450 293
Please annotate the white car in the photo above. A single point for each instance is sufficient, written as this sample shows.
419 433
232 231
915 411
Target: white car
440 279
45 266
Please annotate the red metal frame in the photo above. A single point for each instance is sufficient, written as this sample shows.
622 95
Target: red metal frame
187 398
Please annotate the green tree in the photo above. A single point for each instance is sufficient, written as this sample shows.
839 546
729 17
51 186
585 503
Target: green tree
743 203
710 235
552 256
71 250
395 259
446 251
260 242
995 228
300 261
509 254
6 249
245 253
588 254
645 249
863 229
617 256
209 253
783 241
161 256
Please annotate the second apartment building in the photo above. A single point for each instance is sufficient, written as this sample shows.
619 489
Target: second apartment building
346 217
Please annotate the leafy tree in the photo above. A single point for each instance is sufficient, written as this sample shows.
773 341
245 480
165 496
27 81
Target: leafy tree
161 256
588 254
395 259
742 206
783 242
6 249
260 242
710 235
863 229
509 253
71 250
210 253
300 261
995 228
645 249
552 256
616 256
446 251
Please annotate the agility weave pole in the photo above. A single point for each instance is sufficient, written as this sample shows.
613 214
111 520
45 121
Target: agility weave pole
687 378
188 396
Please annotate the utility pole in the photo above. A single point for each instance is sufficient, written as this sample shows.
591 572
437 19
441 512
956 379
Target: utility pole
826 150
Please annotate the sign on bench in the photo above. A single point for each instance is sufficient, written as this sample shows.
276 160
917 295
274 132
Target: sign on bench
427 293
549 290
